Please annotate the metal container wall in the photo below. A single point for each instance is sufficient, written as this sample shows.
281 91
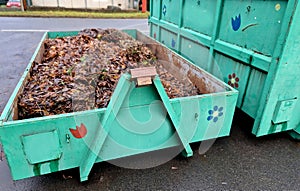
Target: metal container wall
250 44
137 120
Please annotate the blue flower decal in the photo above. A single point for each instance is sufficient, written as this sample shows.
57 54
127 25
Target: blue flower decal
236 22
173 43
215 113
164 10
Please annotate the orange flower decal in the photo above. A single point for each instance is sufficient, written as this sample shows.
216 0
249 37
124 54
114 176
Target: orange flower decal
79 132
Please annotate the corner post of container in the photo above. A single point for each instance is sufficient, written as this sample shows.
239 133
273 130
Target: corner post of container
267 102
180 23
149 19
215 34
159 18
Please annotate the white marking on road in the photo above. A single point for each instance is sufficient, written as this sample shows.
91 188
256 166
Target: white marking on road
22 30
35 30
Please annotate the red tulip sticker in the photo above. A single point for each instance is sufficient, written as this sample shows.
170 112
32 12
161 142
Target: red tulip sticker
79 132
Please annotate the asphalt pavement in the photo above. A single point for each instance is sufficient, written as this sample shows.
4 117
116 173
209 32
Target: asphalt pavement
238 162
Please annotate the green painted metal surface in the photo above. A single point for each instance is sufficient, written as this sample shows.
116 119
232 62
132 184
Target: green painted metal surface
137 120
48 147
111 114
62 34
250 44
178 122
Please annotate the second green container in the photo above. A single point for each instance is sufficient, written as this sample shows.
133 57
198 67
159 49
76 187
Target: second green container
252 45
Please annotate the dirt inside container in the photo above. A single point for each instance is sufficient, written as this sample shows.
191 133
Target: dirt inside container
80 73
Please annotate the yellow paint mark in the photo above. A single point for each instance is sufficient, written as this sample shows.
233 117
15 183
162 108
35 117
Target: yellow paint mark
277 7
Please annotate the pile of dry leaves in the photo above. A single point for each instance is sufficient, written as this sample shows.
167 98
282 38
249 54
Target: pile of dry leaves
81 72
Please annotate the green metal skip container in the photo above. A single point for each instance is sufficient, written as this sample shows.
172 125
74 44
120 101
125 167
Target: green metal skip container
252 45
137 120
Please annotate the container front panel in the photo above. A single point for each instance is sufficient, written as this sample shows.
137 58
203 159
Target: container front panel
136 130
232 72
76 134
170 11
195 52
199 15
252 24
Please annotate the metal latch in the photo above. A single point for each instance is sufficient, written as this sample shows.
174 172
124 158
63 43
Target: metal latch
284 110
